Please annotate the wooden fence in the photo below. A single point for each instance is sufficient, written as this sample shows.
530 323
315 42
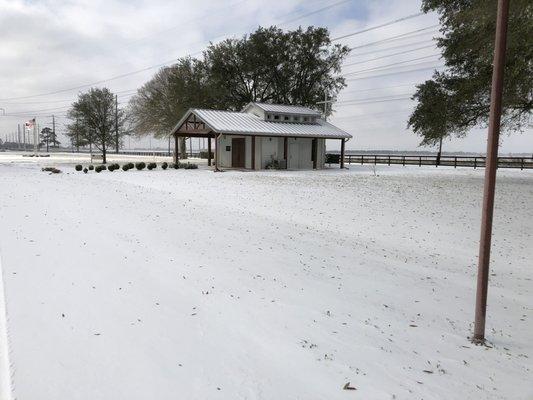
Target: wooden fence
451 161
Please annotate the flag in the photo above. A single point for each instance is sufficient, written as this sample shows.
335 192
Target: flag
30 123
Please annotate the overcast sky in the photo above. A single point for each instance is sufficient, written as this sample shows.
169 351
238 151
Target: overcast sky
57 46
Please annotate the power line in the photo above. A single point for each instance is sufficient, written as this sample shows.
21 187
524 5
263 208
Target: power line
396 73
402 46
377 26
387 56
402 36
146 68
315 12
386 66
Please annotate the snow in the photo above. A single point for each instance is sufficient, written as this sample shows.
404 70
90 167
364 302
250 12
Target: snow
263 285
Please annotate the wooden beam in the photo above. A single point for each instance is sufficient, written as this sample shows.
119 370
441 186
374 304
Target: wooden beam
217 149
285 151
343 143
253 152
176 148
209 152
314 149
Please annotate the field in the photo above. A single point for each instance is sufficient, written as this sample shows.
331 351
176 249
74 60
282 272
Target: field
189 284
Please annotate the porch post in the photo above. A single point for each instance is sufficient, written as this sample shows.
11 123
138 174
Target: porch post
176 148
209 151
253 152
343 142
217 149
314 147
285 151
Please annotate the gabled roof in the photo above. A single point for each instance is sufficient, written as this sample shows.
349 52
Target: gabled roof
239 123
284 109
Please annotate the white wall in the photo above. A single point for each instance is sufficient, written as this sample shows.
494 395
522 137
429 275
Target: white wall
271 148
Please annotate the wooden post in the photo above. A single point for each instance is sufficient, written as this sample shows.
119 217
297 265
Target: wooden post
253 152
314 152
209 151
176 148
217 149
285 151
491 165
343 145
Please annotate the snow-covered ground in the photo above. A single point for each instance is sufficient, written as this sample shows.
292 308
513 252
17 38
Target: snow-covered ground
189 284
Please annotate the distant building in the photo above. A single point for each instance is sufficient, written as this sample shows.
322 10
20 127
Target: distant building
262 136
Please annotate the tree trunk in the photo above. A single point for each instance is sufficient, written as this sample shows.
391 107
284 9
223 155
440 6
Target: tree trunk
104 160
183 148
440 152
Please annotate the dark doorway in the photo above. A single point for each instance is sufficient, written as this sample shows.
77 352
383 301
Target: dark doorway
237 152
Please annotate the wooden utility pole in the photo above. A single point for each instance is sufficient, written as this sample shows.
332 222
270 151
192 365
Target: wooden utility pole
53 132
490 169
116 125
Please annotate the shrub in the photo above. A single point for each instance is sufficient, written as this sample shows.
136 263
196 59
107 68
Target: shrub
332 158
140 165
113 167
51 170
103 166
98 168
79 167
191 166
152 165
85 170
175 165
203 154
125 167
130 165
91 167
164 165
273 164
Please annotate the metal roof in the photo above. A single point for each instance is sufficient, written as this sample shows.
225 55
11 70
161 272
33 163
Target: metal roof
231 122
285 109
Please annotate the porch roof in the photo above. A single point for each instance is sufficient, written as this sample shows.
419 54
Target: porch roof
239 123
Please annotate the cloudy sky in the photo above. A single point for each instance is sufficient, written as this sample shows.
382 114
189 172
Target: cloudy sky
51 50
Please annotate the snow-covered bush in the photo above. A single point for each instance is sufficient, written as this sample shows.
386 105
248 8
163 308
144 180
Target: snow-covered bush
85 170
191 166
91 167
164 165
273 164
79 167
152 165
140 165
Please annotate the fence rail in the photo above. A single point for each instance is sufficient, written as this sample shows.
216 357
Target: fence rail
451 161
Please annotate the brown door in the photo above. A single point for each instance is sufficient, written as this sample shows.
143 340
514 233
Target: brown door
237 152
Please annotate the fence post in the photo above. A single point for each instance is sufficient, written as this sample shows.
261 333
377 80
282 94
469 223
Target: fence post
362 157
521 164
375 160
403 161
475 162
455 162
419 161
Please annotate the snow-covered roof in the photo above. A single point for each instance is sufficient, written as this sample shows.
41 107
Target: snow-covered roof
284 109
231 122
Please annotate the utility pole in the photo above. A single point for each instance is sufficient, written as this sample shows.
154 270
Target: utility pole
116 124
53 132
77 136
35 136
18 136
490 169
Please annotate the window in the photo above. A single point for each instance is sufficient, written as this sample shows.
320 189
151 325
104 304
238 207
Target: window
269 116
296 119
276 116
306 119
286 117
